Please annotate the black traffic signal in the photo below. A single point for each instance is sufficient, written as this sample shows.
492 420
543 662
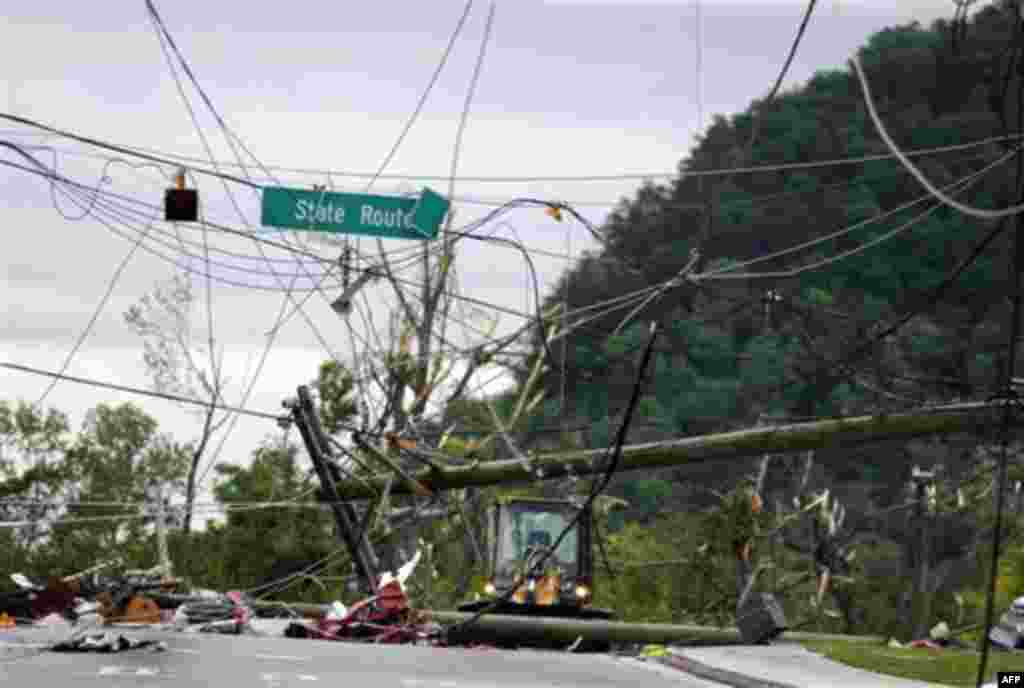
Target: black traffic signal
181 205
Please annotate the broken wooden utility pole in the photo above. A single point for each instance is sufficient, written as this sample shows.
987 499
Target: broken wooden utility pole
508 627
363 557
826 433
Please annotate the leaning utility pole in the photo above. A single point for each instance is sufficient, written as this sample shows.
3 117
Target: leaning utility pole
729 446
347 520
163 553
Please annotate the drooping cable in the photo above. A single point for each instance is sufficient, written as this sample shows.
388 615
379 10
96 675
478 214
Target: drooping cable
612 455
958 186
972 211
134 390
756 124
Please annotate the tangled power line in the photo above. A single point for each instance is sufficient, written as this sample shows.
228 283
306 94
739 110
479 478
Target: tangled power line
136 221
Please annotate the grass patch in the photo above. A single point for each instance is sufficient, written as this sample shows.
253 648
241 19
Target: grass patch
949 667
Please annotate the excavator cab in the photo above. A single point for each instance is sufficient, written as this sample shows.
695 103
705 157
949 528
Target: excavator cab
522 530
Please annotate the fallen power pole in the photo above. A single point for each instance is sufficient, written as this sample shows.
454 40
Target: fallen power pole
729 446
347 520
511 628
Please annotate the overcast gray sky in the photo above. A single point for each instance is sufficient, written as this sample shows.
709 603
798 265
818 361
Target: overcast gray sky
568 88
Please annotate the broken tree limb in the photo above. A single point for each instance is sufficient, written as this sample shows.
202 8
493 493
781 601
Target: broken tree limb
728 446
410 482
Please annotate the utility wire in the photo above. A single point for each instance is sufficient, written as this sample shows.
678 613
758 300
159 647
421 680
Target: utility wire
171 160
583 309
755 125
183 267
136 390
963 184
447 272
613 455
826 374
275 244
981 213
231 139
676 281
164 34
497 202
423 96
299 306
100 307
405 131
111 285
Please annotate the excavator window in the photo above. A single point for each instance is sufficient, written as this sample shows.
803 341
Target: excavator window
526 528
538 538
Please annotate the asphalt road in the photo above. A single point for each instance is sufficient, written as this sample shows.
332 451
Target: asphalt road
232 661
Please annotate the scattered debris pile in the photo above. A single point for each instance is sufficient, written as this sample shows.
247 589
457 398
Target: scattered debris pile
1008 634
384 618
230 613
83 604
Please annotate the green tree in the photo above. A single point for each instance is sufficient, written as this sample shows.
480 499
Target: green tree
33 477
121 460
334 387
259 544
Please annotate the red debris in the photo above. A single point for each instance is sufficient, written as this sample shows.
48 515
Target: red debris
929 644
392 599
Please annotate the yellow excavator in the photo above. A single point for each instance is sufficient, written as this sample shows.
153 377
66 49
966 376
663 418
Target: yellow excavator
519 531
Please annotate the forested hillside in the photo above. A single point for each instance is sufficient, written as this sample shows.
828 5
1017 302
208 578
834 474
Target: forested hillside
835 285
849 326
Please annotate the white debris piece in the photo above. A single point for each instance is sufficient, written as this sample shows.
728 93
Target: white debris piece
89 619
337 612
404 571
56 628
940 631
180 620
23 582
274 628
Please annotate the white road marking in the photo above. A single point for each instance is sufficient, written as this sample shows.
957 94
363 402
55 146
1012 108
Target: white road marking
307 677
5 643
287 658
110 670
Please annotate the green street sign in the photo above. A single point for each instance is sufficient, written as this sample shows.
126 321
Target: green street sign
346 213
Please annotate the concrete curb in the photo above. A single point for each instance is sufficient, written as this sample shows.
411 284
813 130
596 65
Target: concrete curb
723 676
